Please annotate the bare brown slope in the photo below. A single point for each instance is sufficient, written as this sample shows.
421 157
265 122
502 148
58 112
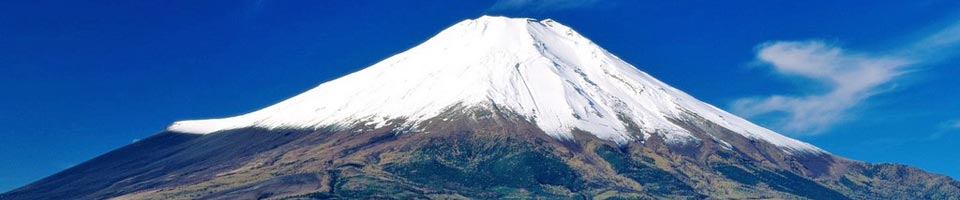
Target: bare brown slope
473 153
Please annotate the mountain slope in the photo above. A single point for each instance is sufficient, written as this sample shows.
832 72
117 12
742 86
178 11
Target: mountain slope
489 108
542 70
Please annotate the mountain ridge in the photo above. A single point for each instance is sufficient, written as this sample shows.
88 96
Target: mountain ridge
652 143
542 69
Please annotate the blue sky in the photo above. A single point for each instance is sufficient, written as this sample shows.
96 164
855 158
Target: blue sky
867 80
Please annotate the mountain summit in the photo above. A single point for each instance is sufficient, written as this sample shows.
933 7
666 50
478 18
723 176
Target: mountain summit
492 107
541 70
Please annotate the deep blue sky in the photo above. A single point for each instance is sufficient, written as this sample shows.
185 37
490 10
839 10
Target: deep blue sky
80 78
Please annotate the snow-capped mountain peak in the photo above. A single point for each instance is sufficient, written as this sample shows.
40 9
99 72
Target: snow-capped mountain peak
542 70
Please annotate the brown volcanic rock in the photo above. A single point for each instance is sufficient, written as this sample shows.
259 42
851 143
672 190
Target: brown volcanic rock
472 153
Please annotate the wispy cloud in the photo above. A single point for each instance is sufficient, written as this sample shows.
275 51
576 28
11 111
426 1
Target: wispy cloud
945 127
850 76
541 5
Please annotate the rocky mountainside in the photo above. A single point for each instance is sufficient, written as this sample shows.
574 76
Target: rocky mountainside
493 107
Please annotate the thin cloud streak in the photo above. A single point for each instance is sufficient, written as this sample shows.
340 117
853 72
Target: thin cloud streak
949 126
852 78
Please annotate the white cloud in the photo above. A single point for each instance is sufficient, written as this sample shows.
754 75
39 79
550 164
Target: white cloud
851 78
949 126
540 5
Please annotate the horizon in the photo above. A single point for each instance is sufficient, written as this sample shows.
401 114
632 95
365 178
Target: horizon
84 82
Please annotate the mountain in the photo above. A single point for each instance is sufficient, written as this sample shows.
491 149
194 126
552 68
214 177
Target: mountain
492 107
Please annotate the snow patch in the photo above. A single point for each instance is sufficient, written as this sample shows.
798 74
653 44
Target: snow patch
542 70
